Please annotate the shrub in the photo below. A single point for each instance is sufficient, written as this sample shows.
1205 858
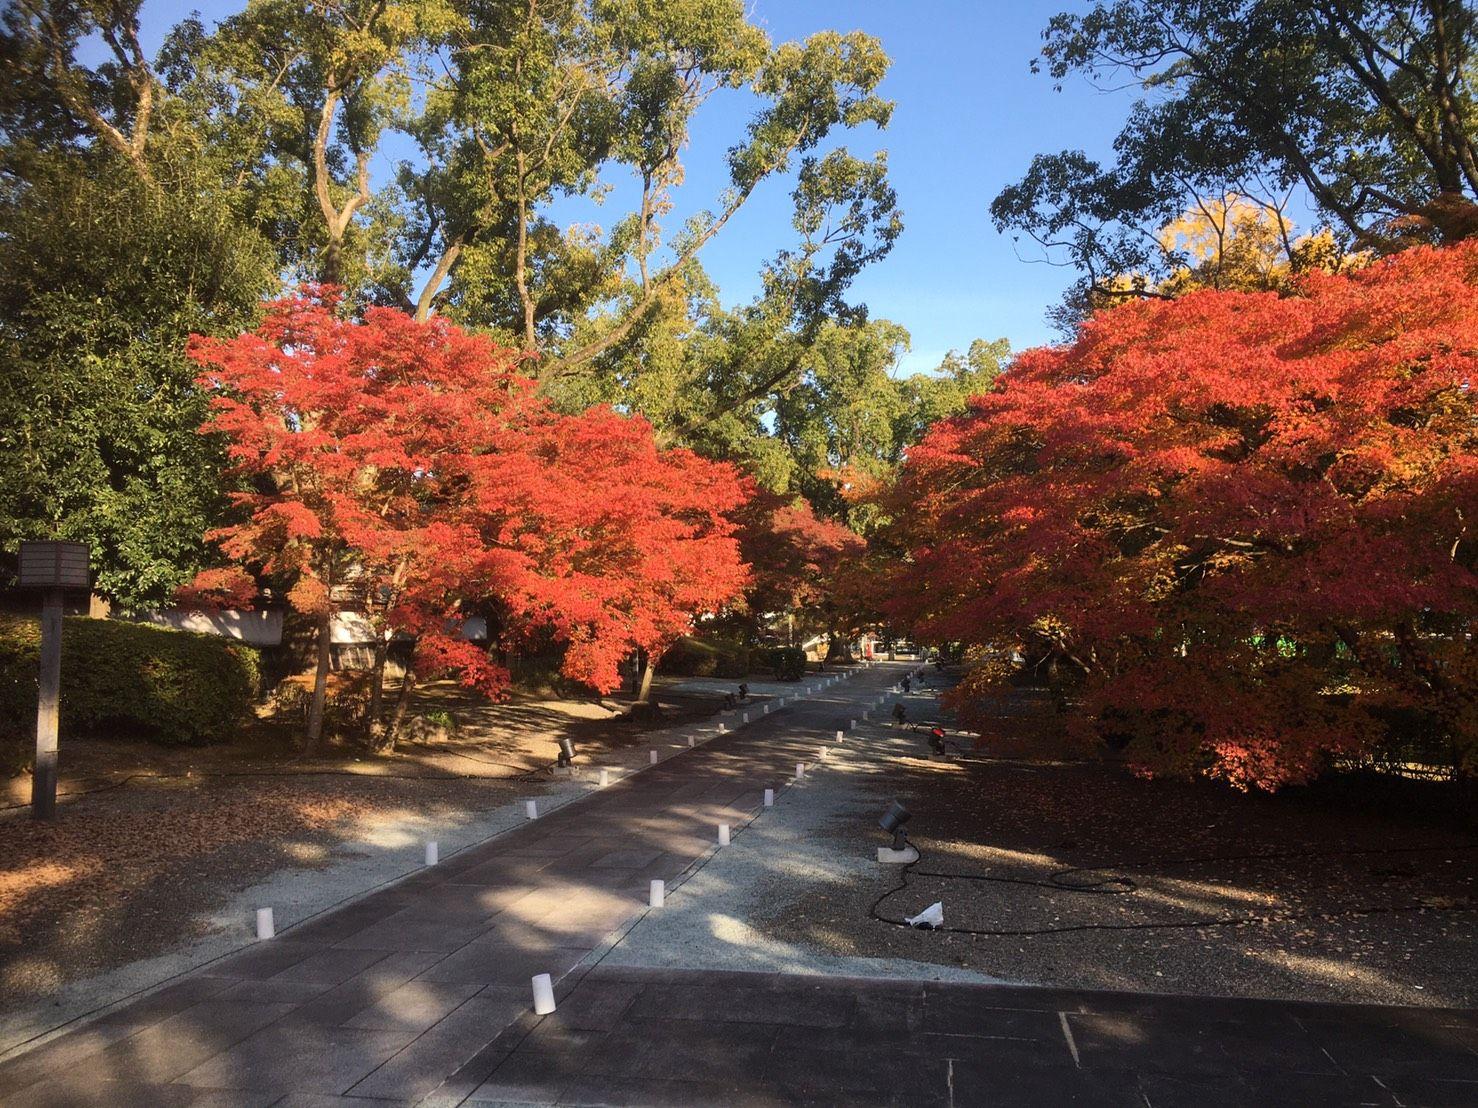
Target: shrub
690 657
172 686
345 704
787 663
790 663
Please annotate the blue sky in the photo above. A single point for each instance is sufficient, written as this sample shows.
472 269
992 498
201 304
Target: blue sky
969 117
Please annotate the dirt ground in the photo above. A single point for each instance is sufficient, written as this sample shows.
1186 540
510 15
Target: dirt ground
1080 874
151 839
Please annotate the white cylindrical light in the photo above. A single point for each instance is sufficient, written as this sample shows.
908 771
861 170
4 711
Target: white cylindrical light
691 740
531 809
543 995
657 896
433 853
852 726
265 928
652 757
841 735
723 729
605 778
744 718
769 798
800 770
723 834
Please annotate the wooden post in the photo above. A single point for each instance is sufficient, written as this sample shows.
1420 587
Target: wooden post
43 780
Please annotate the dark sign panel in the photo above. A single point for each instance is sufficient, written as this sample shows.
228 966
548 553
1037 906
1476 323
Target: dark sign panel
54 565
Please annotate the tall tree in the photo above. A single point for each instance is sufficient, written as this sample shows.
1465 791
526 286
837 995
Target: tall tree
1365 105
405 469
105 278
510 105
1240 520
119 244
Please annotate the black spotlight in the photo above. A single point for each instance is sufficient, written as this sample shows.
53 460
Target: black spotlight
892 822
566 752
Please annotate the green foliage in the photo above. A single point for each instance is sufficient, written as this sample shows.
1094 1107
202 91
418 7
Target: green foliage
787 663
706 657
1369 108
104 279
129 678
850 417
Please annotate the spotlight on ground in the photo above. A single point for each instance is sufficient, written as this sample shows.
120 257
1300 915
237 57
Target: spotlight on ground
566 753
902 852
892 822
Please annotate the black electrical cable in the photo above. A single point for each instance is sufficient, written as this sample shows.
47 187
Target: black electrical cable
1121 885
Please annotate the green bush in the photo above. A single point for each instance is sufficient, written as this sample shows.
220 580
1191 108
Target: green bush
690 657
790 663
787 663
130 678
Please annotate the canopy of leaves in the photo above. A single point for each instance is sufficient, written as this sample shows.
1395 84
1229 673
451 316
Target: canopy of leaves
1243 520
104 279
283 117
1367 106
406 468
795 559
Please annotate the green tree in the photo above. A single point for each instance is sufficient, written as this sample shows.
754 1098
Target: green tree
121 240
1365 105
105 278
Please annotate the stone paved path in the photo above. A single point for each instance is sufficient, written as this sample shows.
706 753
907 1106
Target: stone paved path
420 993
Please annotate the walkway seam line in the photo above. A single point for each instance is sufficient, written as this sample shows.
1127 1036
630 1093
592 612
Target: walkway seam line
1067 1033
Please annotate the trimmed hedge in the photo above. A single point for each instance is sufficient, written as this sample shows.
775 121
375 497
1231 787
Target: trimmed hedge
690 657
788 663
130 678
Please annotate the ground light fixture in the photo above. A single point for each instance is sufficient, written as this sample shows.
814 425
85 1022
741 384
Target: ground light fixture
892 822
566 753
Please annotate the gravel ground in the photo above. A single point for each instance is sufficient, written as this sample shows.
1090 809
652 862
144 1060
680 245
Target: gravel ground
1384 907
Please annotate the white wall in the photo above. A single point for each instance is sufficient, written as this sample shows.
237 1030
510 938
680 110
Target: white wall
264 628
258 628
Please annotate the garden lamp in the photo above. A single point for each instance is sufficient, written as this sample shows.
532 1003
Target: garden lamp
892 822
566 752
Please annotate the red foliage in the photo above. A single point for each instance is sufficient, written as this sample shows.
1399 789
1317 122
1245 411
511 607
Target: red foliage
407 470
617 544
795 554
1242 519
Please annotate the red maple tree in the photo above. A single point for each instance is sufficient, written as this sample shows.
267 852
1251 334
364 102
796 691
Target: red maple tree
1240 523
619 544
405 470
796 557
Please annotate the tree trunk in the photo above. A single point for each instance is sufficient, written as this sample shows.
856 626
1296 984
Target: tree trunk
1055 686
837 649
644 686
374 726
402 705
320 687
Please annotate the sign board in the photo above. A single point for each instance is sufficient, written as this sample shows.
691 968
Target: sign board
54 565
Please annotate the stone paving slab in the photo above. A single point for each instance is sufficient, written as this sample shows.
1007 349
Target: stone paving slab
419 994
714 1038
